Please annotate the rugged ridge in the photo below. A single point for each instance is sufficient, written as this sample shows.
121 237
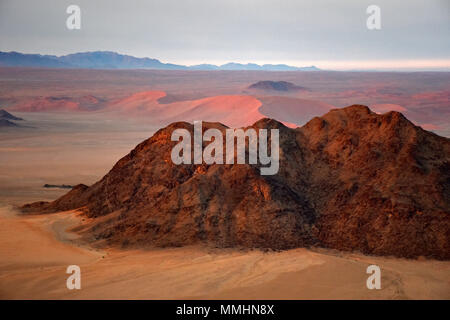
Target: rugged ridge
114 60
350 180
8 116
283 86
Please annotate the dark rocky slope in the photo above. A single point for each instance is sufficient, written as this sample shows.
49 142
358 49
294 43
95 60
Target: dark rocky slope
8 116
276 86
350 180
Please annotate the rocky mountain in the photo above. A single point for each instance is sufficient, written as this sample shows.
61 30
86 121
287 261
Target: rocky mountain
8 116
283 86
84 60
350 180
17 59
4 123
7 120
114 60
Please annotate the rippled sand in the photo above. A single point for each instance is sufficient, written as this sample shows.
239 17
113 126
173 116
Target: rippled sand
36 250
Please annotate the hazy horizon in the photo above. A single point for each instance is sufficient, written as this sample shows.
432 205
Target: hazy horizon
375 66
413 35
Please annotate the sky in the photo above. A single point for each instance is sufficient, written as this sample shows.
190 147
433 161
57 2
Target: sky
330 34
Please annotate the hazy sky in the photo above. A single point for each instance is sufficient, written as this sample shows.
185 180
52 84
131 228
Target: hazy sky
326 33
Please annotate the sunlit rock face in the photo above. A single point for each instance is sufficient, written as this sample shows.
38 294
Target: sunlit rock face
350 180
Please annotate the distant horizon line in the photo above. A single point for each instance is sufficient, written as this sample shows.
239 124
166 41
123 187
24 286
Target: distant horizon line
403 65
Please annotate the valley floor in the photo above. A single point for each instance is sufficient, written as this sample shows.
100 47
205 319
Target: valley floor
35 251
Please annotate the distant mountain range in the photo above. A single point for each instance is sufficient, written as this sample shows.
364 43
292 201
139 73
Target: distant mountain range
114 60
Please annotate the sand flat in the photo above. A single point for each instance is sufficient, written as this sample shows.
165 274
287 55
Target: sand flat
35 251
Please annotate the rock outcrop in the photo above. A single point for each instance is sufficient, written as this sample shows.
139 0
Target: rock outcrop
350 180
276 86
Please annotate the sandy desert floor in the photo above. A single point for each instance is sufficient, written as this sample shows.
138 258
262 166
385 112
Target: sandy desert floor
35 251
72 148
60 148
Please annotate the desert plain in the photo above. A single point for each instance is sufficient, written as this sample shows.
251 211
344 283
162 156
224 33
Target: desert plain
79 123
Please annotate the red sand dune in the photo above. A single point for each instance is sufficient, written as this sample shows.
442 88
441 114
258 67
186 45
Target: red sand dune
232 110
140 101
293 110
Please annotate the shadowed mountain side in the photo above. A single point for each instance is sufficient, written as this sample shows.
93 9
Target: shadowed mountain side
4 123
8 116
350 180
7 120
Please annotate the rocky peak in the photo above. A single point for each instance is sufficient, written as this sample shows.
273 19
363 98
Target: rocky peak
350 180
